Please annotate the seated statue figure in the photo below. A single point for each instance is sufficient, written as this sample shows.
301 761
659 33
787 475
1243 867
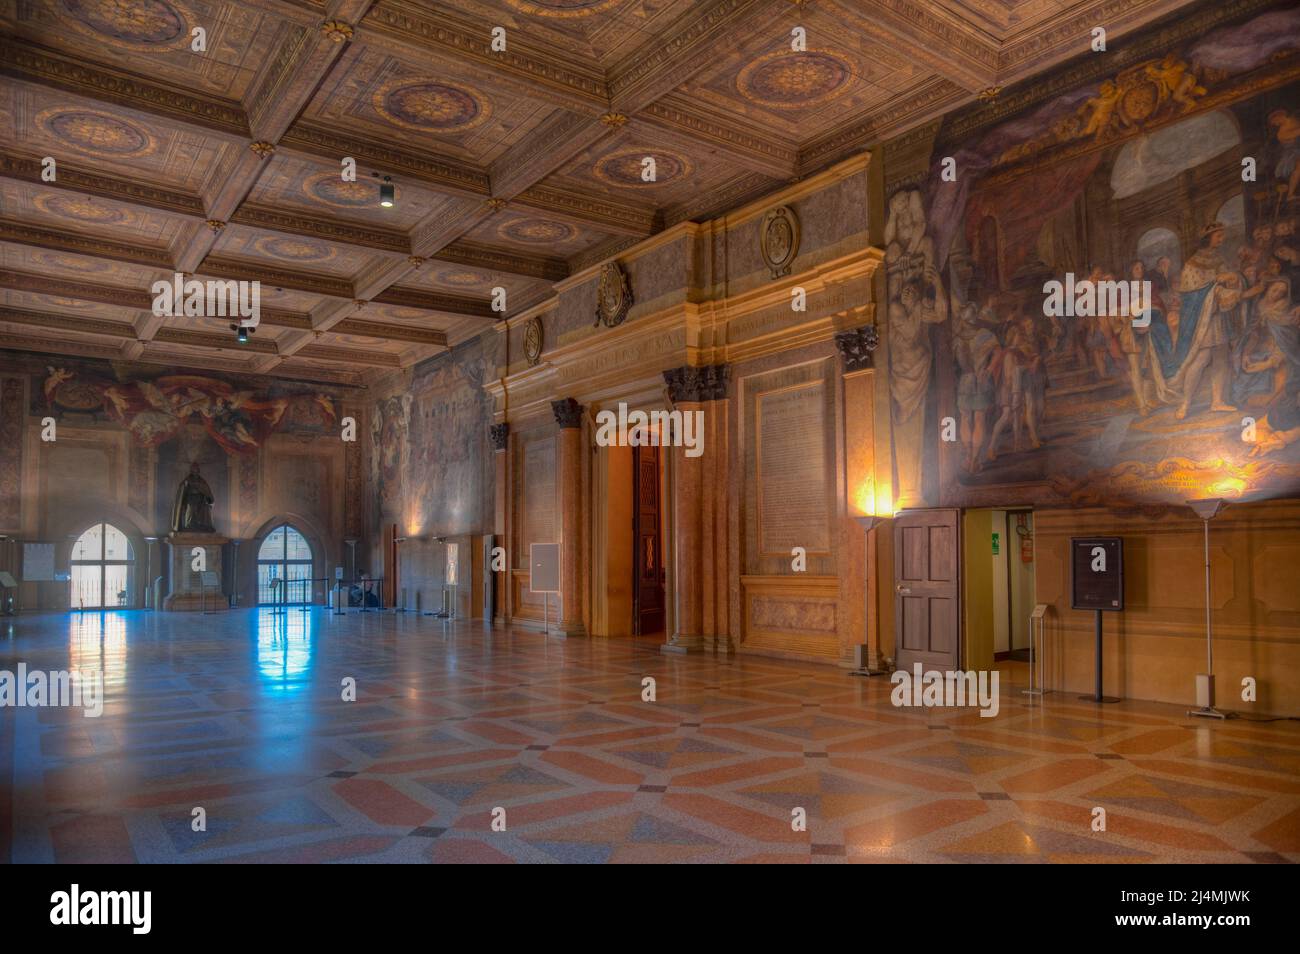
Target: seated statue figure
192 512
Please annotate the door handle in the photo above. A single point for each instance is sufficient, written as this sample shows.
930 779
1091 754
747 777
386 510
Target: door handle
905 590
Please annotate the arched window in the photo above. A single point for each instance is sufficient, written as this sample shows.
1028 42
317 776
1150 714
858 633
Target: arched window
285 554
103 569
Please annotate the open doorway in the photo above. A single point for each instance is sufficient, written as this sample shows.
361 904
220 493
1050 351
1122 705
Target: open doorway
998 575
648 574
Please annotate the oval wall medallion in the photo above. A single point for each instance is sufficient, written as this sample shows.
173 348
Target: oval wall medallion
613 296
533 341
778 240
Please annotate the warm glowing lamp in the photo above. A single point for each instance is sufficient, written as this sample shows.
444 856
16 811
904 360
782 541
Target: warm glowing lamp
1207 509
868 516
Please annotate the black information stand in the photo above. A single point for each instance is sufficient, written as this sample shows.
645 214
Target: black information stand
1097 584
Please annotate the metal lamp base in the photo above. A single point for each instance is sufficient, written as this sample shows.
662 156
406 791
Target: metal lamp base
1209 712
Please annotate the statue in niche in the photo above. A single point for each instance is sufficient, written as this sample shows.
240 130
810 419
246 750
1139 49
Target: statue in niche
192 512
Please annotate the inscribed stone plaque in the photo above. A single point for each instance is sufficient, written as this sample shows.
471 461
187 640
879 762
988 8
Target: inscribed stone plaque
539 492
791 455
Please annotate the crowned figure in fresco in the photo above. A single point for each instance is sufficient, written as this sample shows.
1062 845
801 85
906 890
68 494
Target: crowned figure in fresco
192 511
1209 290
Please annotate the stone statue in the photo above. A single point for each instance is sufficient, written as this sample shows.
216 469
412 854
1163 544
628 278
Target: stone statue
192 512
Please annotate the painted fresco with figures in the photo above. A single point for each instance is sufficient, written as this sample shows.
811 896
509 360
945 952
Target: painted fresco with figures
430 445
1181 172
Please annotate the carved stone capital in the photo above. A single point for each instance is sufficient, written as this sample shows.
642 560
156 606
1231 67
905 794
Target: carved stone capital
856 347
500 435
568 413
692 385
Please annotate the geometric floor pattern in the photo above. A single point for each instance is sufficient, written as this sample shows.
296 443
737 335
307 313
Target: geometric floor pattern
456 724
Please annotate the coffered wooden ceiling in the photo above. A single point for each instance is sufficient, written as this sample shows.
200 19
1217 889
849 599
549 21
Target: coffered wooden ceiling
512 168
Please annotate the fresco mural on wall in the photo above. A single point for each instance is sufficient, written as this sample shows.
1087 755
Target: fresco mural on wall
155 409
428 464
1137 177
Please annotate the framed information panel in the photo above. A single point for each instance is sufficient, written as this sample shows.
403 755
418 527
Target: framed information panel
544 567
1097 573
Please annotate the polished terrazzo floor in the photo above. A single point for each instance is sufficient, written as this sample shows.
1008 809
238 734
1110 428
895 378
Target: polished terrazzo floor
241 714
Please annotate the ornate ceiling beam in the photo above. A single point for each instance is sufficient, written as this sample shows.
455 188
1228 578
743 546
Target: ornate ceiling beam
83 182
506 261
563 136
132 298
298 67
101 327
220 266
432 301
1070 33
376 359
28 62
299 224
677 118
213 340
390 331
931 98
927 34
22 233
589 210
690 46
322 144
421 33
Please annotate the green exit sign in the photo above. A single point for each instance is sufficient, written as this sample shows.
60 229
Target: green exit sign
997 548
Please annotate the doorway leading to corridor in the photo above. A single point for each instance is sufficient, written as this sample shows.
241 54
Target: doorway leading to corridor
998 571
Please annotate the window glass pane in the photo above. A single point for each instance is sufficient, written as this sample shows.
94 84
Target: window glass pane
296 547
266 572
116 545
85 586
273 546
117 581
90 545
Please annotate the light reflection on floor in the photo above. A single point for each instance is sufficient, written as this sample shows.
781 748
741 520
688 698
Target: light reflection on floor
284 644
241 713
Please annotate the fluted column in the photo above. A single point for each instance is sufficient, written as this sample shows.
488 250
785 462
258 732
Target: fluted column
568 419
700 563
499 434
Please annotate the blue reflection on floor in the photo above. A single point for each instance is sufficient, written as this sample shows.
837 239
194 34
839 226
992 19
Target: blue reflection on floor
284 648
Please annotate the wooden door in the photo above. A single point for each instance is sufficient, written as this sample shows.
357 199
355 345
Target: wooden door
927 618
647 561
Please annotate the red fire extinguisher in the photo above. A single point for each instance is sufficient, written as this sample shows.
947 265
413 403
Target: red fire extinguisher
1026 538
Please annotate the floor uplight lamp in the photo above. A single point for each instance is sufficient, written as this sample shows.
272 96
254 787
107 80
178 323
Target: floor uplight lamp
1207 509
868 522
397 573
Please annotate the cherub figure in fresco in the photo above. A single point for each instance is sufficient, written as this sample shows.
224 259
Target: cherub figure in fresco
1100 110
1177 81
1285 126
